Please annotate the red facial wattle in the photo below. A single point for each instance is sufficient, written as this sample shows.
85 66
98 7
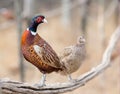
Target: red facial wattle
39 19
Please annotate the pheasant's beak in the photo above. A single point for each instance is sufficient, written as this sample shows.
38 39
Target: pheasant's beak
45 21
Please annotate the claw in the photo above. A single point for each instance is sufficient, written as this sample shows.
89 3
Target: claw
39 85
70 78
42 82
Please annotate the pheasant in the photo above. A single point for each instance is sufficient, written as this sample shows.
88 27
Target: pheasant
72 57
37 51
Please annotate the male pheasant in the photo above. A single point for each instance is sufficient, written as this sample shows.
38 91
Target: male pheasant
37 51
72 57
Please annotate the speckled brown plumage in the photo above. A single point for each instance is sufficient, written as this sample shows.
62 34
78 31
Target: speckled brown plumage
72 56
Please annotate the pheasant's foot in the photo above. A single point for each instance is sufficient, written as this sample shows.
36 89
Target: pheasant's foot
71 79
42 82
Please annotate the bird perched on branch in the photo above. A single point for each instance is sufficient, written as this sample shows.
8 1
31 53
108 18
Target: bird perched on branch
72 57
37 51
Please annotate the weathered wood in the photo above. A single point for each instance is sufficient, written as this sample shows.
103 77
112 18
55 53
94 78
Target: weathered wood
14 87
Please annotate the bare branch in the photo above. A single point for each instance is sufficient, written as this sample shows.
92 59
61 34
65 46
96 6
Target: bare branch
13 87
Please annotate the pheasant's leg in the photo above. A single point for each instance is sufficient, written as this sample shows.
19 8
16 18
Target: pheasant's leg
69 77
42 82
43 79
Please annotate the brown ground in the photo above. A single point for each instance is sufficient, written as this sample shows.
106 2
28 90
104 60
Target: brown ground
60 37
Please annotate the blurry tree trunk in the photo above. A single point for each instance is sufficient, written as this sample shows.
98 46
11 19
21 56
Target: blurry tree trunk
85 13
18 10
101 22
119 24
29 10
117 15
101 28
119 12
66 4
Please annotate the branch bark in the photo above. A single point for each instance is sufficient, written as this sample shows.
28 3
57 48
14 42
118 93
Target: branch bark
14 87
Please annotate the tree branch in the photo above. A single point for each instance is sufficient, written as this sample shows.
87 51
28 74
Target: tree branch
14 87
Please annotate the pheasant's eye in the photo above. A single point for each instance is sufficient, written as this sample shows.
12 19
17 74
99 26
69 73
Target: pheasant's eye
38 20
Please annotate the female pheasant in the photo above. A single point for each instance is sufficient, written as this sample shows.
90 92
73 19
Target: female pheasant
37 51
72 57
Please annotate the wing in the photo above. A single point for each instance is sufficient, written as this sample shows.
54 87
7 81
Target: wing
66 52
47 55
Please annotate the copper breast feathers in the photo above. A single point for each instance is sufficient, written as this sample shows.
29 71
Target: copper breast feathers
41 54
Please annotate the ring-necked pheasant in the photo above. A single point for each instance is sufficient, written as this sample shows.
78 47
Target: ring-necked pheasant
72 57
37 51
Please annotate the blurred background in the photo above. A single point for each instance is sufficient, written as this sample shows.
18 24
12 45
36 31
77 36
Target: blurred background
67 19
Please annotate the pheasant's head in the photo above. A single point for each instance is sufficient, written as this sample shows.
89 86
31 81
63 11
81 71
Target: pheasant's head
81 40
36 21
39 19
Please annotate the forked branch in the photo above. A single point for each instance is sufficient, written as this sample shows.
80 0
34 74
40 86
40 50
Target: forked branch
13 87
